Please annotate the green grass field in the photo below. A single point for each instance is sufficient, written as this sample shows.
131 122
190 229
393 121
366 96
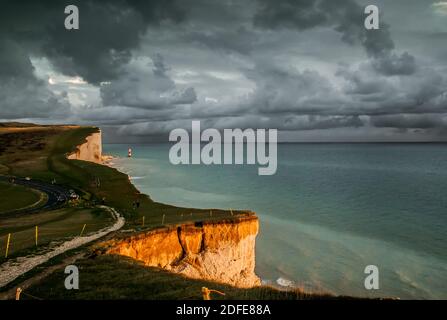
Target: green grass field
13 197
53 225
30 152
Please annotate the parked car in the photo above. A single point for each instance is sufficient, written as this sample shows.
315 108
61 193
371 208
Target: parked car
73 195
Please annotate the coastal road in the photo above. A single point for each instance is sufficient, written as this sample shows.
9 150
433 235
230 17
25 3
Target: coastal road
57 196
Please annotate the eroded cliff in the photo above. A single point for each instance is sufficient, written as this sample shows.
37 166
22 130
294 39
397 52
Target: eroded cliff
91 150
222 251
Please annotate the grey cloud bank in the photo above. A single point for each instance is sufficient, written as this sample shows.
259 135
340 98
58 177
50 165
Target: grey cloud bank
307 68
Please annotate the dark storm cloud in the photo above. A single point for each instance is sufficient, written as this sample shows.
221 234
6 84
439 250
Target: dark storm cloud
290 122
393 64
142 87
360 85
108 32
240 40
373 94
346 17
14 61
152 66
289 94
281 90
410 121
118 115
30 98
21 93
97 52
284 123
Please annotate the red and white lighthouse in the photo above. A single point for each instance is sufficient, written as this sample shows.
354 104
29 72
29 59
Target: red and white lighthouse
129 153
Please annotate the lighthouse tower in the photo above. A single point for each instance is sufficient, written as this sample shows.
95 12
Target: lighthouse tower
129 153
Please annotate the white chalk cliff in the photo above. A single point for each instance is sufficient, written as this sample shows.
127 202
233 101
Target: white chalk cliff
91 150
222 251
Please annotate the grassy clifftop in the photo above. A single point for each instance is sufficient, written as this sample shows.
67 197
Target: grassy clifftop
31 151
117 277
40 152
116 189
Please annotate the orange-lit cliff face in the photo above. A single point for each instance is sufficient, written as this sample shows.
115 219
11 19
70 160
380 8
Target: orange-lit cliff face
91 150
222 251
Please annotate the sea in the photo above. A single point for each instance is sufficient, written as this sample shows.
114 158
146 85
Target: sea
330 211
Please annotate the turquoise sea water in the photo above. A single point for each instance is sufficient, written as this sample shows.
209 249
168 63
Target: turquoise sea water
330 210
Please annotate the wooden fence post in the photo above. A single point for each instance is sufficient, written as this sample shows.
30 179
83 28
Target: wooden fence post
18 292
82 231
7 245
37 234
206 293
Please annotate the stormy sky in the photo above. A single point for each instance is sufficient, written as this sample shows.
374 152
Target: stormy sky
308 68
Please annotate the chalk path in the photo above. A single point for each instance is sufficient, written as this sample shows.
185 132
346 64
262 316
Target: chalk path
12 269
